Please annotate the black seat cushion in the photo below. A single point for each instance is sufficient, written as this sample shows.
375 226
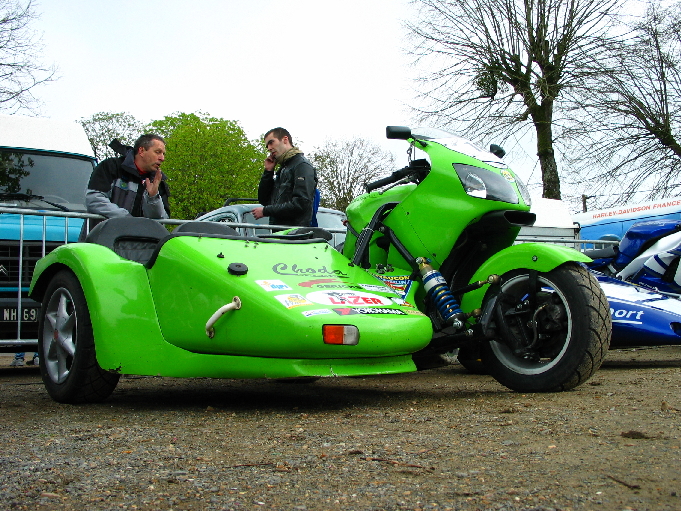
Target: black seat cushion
206 228
133 238
315 232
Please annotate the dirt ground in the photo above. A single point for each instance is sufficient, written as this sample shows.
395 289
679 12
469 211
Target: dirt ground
439 439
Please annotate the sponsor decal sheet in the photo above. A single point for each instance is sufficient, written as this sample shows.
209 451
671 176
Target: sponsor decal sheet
333 291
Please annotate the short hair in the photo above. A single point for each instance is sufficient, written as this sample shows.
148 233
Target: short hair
146 141
279 133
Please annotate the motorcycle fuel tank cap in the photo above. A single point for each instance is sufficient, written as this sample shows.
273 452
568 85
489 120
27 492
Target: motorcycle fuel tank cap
237 269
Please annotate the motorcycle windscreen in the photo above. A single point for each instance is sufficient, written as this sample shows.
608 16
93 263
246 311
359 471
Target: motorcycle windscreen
640 236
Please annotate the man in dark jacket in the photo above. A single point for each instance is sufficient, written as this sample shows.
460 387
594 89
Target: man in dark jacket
287 195
132 184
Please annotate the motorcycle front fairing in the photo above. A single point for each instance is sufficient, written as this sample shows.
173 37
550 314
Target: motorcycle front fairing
152 319
640 236
640 316
648 255
664 250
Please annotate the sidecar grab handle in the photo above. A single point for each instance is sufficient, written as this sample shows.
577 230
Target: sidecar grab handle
233 305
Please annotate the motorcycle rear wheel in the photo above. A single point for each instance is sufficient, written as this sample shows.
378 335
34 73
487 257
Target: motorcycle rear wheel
572 336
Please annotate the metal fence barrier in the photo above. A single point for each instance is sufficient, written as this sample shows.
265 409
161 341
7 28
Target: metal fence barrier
19 253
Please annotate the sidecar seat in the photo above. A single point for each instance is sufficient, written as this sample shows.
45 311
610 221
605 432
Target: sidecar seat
133 238
206 228
312 232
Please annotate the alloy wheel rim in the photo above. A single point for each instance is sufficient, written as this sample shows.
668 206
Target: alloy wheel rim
59 335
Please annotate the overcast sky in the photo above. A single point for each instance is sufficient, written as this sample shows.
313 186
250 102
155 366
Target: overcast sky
321 69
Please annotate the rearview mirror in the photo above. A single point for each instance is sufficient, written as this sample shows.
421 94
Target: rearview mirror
497 150
398 132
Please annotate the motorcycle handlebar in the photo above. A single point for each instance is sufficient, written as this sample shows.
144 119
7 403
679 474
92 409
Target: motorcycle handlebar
392 178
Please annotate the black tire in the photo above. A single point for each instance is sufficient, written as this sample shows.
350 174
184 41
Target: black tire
572 337
471 359
66 344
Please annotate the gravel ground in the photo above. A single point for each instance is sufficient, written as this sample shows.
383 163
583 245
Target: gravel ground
439 439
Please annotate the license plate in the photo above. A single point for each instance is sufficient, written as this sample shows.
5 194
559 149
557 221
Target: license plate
28 315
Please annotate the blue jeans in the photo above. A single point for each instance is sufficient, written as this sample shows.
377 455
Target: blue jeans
23 354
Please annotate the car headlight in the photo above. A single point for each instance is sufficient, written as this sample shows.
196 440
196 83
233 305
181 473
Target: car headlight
485 184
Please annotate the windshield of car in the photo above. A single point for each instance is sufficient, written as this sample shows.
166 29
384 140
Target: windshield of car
26 177
248 218
328 220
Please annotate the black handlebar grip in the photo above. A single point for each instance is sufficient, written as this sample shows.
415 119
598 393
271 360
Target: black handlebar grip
392 178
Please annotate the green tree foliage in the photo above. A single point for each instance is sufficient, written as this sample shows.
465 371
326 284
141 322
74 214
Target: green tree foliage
12 170
208 159
345 166
102 127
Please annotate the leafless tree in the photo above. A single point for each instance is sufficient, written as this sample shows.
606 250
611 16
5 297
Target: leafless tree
344 166
628 127
20 68
102 127
498 68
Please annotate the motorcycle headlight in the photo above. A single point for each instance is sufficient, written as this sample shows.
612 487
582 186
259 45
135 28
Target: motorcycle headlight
485 184
474 186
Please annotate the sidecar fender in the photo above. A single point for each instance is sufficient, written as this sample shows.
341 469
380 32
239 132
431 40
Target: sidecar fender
116 290
541 257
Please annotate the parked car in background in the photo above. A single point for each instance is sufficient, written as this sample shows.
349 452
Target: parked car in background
45 165
235 212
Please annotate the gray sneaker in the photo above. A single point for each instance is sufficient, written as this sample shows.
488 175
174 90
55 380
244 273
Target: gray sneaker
34 362
17 362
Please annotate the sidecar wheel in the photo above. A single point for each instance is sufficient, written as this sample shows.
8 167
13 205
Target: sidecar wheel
68 365
573 330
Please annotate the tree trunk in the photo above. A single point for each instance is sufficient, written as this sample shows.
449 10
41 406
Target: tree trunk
542 117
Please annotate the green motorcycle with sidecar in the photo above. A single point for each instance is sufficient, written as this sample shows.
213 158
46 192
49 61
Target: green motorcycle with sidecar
429 265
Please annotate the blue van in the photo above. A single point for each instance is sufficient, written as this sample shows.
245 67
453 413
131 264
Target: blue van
611 224
45 166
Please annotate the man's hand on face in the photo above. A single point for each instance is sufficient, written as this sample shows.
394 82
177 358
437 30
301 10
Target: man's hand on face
257 213
153 184
270 163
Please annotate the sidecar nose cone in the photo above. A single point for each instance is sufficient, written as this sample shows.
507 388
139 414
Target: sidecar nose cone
340 334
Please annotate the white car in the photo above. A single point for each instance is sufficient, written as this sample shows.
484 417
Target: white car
329 219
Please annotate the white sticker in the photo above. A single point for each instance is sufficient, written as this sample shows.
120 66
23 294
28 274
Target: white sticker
291 301
400 284
273 285
348 298
379 289
316 312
